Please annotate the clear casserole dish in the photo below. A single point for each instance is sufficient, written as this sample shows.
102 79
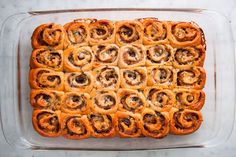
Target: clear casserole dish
218 112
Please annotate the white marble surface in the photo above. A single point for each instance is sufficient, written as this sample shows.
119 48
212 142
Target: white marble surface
9 7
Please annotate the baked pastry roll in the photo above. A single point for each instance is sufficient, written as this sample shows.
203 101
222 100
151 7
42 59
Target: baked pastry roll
154 123
47 58
102 125
159 99
104 101
132 55
189 56
131 100
191 77
133 78
46 99
163 76
183 34
128 124
184 121
79 81
77 32
129 32
78 58
43 78
75 126
47 122
76 103
155 31
101 31
189 99
48 35
160 54
106 77
105 54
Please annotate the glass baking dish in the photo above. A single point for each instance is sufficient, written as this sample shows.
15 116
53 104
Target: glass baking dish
218 112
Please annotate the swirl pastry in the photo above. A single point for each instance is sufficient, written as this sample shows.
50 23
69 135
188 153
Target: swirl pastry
47 122
132 55
131 100
78 58
184 121
77 32
106 77
76 103
182 34
191 77
134 78
163 76
43 78
154 123
189 99
47 58
101 31
104 101
189 56
159 99
102 125
46 99
75 126
129 32
128 124
48 35
159 55
155 31
79 81
105 54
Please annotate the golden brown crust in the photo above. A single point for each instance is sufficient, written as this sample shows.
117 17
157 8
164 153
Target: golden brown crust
79 81
47 58
106 77
159 99
129 32
133 78
43 78
76 103
102 125
132 55
159 54
155 31
101 31
104 101
47 122
77 32
189 99
154 123
131 100
127 124
46 99
162 76
48 35
192 55
78 58
183 34
191 77
105 54
75 126
184 121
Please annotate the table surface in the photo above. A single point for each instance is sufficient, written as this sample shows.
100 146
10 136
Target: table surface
9 7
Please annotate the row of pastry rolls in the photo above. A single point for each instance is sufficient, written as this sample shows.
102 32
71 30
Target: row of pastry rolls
83 58
111 78
106 102
149 123
141 31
